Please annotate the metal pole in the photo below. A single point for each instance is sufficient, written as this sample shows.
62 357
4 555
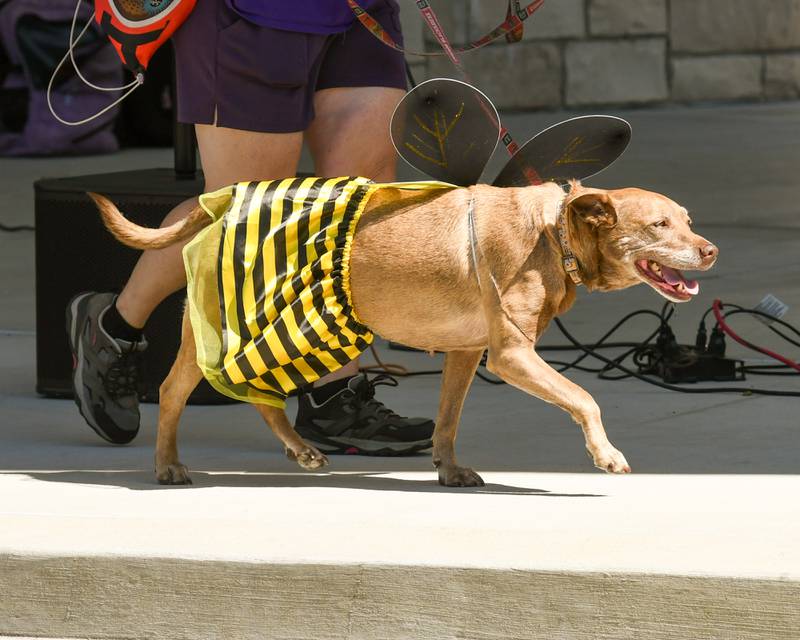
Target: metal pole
184 142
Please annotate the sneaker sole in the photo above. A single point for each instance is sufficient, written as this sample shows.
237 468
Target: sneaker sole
76 346
357 447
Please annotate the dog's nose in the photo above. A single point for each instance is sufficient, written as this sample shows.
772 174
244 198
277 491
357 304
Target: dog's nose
709 251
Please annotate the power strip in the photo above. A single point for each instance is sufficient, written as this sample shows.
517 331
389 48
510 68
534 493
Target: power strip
686 363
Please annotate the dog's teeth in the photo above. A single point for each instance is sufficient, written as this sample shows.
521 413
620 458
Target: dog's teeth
654 266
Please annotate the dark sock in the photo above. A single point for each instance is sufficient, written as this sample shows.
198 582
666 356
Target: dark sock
327 391
116 327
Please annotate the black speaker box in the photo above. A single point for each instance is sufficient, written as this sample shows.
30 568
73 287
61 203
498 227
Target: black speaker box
75 253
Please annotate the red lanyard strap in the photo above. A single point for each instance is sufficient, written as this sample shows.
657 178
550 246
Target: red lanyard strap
511 28
505 135
515 35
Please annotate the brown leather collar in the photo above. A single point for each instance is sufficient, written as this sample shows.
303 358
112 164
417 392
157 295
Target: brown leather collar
568 259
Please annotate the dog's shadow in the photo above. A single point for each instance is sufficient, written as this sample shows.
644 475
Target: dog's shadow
361 480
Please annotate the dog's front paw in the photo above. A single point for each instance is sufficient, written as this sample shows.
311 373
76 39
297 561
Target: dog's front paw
308 458
173 474
609 459
459 477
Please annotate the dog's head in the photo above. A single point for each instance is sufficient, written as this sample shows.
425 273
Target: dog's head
628 236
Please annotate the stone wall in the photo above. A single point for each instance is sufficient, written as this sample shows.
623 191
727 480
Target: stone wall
578 53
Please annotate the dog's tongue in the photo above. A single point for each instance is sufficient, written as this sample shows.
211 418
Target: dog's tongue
675 277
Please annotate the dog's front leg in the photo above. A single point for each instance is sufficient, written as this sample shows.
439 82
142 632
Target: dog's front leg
459 369
519 365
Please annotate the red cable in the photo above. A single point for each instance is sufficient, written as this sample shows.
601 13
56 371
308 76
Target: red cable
717 308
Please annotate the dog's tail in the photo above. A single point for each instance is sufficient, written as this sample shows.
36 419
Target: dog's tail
132 235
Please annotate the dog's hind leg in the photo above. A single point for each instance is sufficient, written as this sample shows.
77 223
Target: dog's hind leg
297 449
459 369
179 383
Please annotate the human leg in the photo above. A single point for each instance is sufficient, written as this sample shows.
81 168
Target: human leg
360 84
227 156
350 133
346 138
105 378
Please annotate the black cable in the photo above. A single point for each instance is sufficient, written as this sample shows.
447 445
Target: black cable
770 373
15 228
632 348
770 327
410 76
770 366
767 366
428 372
398 374
636 347
638 351
489 379
605 345
756 312
570 365
784 336
664 385
611 331
769 370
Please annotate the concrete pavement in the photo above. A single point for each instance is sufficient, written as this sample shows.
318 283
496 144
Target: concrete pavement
700 542
353 555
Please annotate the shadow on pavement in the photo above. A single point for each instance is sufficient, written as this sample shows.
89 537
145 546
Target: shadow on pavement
367 481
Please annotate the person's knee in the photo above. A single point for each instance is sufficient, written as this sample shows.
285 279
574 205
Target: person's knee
232 155
350 134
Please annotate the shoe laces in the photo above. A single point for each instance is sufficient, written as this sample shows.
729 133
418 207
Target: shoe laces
364 396
122 377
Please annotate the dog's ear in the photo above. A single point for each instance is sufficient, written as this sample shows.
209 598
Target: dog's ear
596 209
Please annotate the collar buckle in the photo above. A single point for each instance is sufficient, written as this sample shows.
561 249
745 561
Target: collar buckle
572 268
569 261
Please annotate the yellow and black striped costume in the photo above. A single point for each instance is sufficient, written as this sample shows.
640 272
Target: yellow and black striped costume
268 283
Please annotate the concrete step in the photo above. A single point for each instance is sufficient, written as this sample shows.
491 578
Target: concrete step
372 555
170 598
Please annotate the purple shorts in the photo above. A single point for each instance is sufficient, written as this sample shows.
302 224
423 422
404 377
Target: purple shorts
245 76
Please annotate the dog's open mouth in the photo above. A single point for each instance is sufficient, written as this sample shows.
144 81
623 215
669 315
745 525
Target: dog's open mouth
667 281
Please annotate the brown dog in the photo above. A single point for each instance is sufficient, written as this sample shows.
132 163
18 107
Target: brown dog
466 270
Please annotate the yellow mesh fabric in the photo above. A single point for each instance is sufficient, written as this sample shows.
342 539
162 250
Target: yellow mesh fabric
268 283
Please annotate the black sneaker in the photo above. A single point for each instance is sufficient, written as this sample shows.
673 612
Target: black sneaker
105 374
353 422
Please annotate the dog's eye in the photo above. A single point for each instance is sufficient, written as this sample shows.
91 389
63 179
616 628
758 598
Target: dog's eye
661 223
